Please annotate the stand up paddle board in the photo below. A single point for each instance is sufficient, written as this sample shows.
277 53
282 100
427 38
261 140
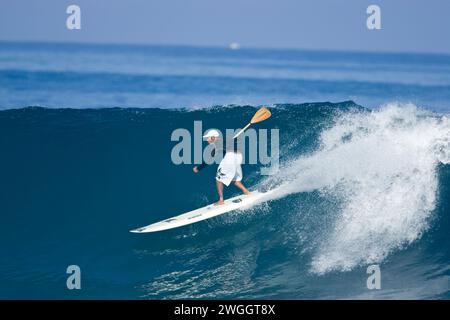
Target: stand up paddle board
238 202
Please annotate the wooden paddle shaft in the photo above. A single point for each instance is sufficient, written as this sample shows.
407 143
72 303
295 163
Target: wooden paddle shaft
242 130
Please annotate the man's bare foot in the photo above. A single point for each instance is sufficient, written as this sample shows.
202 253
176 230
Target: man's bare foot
242 187
220 202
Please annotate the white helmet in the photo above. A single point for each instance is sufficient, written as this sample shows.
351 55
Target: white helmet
211 133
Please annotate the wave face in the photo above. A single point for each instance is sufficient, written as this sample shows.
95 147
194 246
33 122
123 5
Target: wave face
355 187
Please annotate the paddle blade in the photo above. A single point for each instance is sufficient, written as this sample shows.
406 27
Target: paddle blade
261 115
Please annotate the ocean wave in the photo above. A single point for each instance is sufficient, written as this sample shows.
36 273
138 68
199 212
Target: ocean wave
355 187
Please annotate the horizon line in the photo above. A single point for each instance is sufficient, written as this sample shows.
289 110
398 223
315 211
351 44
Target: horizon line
242 47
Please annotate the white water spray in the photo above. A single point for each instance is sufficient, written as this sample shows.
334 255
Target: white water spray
382 166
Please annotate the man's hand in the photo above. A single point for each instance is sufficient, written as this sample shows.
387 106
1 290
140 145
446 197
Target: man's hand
195 169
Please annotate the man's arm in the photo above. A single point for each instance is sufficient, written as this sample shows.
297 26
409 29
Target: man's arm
200 167
204 164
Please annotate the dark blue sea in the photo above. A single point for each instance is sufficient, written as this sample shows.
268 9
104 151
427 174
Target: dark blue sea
85 156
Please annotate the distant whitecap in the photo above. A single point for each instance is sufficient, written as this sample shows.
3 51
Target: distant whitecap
235 46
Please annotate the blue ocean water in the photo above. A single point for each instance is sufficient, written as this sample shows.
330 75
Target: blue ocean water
86 156
93 76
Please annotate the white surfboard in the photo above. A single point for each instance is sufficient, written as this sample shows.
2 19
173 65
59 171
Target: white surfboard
238 202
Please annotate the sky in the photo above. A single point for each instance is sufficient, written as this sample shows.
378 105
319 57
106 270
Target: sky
406 26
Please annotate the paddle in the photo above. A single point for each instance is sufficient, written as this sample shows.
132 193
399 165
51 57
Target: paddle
260 115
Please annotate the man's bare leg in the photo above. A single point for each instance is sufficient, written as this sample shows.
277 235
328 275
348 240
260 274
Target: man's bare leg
242 187
219 186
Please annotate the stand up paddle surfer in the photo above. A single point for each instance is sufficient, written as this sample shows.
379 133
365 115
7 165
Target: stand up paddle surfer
229 168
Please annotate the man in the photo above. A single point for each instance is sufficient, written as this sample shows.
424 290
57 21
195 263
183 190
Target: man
229 168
